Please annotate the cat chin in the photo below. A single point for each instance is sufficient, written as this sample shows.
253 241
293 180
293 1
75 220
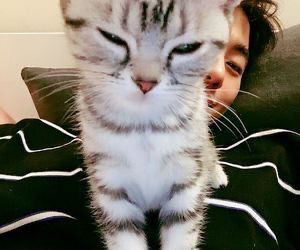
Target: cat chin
137 97
137 101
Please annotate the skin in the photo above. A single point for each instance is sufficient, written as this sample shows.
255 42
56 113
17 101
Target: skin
5 118
224 80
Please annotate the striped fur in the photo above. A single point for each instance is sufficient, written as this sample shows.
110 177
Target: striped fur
147 151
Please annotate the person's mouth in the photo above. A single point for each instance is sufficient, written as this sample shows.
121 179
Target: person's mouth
211 103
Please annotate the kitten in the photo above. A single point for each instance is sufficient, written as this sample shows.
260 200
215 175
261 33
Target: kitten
143 112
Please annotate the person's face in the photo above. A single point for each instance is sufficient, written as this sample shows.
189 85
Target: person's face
224 80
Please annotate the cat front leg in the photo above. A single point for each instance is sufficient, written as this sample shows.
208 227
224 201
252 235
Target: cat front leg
218 177
120 220
182 218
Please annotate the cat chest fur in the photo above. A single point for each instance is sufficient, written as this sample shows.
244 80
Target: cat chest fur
146 165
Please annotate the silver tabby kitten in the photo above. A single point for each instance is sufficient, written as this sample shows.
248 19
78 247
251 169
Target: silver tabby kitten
143 112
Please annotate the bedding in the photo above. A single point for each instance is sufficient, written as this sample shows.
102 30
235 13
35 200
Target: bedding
44 198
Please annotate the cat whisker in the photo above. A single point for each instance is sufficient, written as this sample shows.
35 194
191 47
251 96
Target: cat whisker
223 90
72 111
76 73
231 110
249 93
72 98
53 75
214 120
225 125
228 120
186 101
53 86
87 178
71 85
234 90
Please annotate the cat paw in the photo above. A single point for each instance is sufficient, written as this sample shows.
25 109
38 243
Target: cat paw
219 178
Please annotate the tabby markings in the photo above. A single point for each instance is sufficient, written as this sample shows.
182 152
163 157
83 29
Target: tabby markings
170 218
113 227
114 194
182 123
168 12
75 23
157 16
144 15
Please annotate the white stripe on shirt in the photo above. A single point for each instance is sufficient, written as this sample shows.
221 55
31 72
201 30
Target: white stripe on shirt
262 165
243 207
33 218
259 134
40 174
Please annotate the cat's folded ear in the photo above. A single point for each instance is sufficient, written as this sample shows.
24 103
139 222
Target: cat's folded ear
229 5
63 5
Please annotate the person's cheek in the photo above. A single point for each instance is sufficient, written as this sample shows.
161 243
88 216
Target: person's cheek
232 90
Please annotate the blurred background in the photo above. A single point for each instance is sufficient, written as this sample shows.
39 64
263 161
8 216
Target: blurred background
31 35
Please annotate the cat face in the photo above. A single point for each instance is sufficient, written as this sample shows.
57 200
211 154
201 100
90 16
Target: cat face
145 58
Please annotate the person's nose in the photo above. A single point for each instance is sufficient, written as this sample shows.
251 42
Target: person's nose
215 78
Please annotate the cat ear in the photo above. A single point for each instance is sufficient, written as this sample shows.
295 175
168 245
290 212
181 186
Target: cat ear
64 4
229 5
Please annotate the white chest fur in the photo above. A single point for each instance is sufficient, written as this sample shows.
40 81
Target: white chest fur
146 165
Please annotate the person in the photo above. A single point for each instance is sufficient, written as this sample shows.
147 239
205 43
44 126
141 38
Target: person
252 188
252 34
5 117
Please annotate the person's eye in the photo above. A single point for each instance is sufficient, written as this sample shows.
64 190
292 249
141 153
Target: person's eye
186 48
235 68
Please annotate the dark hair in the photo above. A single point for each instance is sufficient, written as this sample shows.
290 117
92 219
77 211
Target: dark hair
264 27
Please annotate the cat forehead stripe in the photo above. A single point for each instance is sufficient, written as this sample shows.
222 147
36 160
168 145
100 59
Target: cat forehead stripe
125 16
157 15
75 23
144 7
168 12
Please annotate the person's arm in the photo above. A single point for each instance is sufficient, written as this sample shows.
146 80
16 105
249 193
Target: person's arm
5 118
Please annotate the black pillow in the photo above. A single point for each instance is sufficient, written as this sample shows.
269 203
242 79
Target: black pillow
53 92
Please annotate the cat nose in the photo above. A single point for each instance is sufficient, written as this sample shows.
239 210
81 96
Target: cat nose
145 86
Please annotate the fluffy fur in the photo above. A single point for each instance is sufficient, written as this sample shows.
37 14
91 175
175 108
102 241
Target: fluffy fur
152 150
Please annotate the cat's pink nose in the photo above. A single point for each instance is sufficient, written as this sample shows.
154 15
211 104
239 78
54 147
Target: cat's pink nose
145 86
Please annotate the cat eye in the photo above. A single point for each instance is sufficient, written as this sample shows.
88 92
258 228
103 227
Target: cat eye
113 38
186 48
118 41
